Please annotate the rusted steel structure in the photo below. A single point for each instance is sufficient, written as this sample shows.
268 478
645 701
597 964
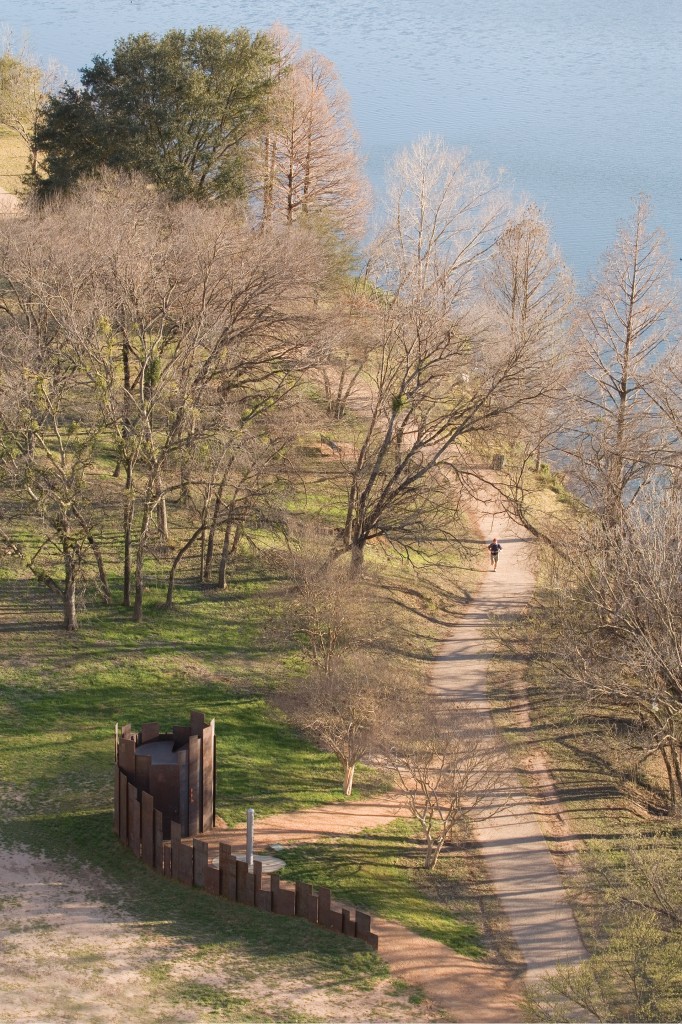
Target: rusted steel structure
164 797
177 769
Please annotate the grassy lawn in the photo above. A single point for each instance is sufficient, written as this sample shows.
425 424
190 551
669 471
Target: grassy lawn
381 871
60 696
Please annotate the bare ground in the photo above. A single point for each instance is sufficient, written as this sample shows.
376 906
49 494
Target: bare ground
66 956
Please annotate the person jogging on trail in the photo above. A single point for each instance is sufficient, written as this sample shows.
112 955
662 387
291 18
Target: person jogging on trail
494 550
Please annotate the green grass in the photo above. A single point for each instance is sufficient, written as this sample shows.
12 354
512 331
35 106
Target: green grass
380 870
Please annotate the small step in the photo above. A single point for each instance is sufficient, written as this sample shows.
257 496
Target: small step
271 865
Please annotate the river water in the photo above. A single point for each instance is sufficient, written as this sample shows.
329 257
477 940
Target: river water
579 100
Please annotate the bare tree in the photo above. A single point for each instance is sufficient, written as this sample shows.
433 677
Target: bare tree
530 297
49 436
442 375
24 88
347 706
310 155
610 630
169 315
448 774
627 325
327 608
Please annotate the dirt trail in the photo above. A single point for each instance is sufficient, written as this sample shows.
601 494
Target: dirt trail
523 872
466 989
518 859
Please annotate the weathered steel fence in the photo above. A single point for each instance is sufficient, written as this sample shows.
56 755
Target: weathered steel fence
164 796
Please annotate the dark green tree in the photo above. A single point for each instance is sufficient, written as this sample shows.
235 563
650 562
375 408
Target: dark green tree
181 109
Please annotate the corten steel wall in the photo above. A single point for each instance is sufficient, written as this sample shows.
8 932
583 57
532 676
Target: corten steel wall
139 825
183 791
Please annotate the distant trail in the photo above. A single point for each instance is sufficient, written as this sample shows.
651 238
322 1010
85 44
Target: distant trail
513 845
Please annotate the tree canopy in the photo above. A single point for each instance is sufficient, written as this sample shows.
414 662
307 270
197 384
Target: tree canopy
180 109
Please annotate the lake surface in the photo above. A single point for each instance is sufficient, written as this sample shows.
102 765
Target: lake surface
579 100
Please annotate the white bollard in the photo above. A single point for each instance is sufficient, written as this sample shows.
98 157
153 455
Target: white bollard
249 837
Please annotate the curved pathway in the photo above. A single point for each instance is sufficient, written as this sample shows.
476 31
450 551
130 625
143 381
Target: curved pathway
512 842
525 877
466 989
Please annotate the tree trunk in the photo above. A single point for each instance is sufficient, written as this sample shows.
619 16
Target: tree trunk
128 511
176 561
357 557
70 615
161 510
139 563
229 548
348 774
210 543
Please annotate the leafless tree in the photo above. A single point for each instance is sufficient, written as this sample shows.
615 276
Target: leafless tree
310 165
530 297
347 706
442 375
628 323
610 630
327 607
169 315
448 772
50 426
24 87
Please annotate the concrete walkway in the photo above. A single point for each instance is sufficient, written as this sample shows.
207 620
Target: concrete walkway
518 859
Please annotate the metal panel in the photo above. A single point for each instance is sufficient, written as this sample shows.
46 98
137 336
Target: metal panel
232 878
224 853
264 900
245 887
181 733
336 921
147 829
194 782
207 745
143 765
133 820
117 800
303 894
363 925
212 880
158 840
123 807
183 791
126 757
176 843
167 858
283 899
185 871
197 721
324 900
200 861
149 731
348 923
164 786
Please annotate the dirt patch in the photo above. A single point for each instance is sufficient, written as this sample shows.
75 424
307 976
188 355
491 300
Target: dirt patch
66 956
